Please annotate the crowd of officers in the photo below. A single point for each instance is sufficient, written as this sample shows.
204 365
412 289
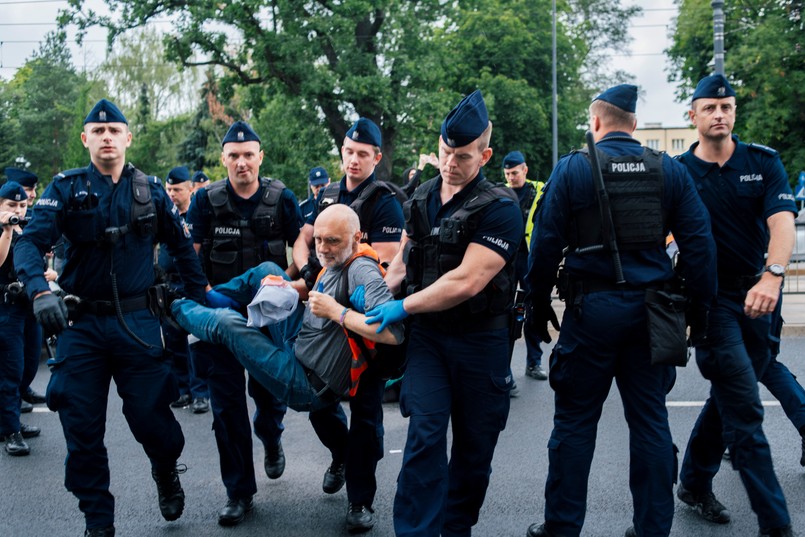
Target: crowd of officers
455 254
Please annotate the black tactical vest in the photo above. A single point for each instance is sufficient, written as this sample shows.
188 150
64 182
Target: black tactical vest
235 244
635 186
83 224
364 204
435 251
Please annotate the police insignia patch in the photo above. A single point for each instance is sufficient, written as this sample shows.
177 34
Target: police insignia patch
722 91
355 134
102 115
241 136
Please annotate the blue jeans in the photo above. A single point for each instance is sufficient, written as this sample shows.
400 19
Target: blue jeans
737 354
269 358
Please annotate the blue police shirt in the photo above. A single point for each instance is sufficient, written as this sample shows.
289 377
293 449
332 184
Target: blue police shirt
166 262
500 224
88 265
570 189
741 195
387 218
307 207
200 214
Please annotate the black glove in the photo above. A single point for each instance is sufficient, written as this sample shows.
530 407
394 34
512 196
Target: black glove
310 272
697 318
51 312
537 319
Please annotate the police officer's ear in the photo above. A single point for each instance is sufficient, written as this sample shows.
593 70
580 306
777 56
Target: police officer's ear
378 157
486 154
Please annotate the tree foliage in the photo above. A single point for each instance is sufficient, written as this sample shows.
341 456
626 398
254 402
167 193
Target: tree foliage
401 63
765 62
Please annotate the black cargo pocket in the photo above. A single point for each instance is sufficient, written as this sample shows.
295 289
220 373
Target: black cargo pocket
55 389
666 328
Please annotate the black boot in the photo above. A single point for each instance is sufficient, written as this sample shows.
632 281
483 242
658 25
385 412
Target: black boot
16 446
108 531
171 495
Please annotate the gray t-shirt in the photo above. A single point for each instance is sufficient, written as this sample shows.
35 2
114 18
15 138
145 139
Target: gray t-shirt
322 344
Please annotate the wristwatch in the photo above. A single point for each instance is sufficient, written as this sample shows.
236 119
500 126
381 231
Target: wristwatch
776 270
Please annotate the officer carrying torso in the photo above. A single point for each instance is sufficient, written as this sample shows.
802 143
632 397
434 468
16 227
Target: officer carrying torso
616 263
355 450
112 215
458 261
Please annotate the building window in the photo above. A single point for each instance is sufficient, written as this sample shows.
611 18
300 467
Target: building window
652 143
678 144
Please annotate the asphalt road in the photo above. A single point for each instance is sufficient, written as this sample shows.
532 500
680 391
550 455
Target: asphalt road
35 502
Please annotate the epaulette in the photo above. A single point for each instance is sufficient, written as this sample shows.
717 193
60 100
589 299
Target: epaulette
69 173
763 148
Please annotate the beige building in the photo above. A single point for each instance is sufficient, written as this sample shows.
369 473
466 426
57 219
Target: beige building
672 140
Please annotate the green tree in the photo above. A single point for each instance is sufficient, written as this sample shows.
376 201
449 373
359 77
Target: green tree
44 101
764 61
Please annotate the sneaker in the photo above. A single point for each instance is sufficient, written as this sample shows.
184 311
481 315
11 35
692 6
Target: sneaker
108 531
169 490
16 446
705 503
182 401
360 518
274 461
334 478
200 405
536 372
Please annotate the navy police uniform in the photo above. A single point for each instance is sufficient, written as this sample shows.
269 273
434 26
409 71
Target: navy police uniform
359 447
233 242
604 334
16 342
192 388
458 359
740 195
113 334
317 177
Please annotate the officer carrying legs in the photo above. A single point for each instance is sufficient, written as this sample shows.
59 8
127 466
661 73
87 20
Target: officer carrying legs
237 224
113 215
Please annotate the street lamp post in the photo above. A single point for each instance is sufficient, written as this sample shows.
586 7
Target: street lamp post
718 35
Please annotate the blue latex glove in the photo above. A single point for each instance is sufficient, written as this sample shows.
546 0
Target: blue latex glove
358 299
220 300
386 314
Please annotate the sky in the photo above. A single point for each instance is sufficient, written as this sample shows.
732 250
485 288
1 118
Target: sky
24 23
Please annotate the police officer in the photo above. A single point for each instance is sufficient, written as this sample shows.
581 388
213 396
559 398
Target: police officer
237 224
317 179
113 215
462 237
32 330
14 315
604 331
515 170
746 190
356 450
193 390
200 180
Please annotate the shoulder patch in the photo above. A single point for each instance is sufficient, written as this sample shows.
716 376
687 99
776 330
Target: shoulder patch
763 148
69 173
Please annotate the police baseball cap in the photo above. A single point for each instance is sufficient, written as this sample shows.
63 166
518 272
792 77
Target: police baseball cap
466 122
178 175
365 131
624 96
12 190
200 177
515 158
105 112
23 177
240 131
318 176
713 87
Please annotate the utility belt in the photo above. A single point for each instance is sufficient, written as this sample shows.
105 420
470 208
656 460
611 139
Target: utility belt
323 392
737 282
14 293
77 306
477 323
